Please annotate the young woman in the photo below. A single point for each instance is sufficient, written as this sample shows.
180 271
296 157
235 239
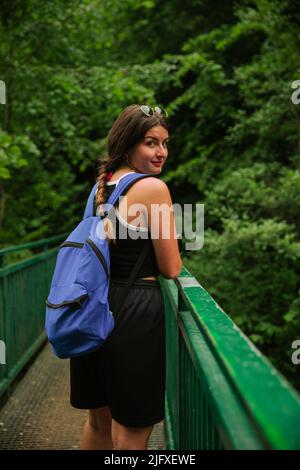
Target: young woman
123 383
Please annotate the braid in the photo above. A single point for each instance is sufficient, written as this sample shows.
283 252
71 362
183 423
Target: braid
101 193
105 167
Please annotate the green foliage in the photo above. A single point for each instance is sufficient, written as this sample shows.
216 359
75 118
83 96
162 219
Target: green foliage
13 153
252 270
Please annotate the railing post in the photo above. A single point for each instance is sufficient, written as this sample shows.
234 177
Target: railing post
180 386
184 281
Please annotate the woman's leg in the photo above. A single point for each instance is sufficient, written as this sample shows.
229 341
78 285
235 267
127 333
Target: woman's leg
97 430
125 438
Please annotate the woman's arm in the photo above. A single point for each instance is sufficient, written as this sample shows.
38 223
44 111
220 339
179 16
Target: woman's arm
156 197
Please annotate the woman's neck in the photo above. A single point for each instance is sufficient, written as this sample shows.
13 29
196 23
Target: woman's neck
120 172
130 166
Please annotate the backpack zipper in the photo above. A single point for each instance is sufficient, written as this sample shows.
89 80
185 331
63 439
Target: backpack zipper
98 254
73 304
74 244
94 248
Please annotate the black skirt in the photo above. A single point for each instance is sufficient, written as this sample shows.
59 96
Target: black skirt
128 372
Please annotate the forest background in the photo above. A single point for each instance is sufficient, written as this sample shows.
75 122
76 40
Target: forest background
224 71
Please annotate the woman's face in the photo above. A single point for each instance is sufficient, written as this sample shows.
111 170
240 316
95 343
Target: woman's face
150 155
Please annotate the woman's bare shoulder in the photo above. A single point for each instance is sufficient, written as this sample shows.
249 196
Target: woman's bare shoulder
152 185
151 190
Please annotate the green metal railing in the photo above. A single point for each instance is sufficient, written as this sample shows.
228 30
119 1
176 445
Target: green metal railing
23 289
222 393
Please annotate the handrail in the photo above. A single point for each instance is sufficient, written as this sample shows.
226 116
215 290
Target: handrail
45 242
35 244
221 391
24 287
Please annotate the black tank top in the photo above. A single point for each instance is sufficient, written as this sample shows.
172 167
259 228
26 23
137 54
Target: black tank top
125 252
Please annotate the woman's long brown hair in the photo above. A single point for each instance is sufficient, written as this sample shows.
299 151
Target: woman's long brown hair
128 130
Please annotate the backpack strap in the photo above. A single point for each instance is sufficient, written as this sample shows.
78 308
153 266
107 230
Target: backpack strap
124 185
120 189
89 209
125 291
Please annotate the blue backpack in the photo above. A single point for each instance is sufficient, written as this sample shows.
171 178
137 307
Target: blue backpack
78 317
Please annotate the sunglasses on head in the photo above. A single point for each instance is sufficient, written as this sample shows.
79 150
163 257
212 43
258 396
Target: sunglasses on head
156 110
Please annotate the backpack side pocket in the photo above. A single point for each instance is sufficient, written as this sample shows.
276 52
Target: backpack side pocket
66 326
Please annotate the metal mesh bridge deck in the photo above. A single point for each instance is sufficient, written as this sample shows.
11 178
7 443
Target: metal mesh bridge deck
38 415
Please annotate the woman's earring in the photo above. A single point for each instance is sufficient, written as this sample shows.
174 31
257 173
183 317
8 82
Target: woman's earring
127 161
129 164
